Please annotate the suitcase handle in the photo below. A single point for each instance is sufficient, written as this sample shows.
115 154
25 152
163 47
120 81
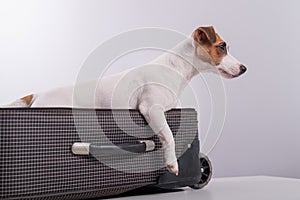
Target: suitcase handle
81 148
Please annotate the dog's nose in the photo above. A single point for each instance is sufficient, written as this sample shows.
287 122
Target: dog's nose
243 69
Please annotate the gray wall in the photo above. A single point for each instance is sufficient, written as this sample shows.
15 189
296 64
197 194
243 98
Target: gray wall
44 43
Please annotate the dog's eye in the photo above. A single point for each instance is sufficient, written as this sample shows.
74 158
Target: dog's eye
222 46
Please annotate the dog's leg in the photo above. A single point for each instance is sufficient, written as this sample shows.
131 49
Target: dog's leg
155 117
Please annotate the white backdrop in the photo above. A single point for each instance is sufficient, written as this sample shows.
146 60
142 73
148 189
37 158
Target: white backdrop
44 43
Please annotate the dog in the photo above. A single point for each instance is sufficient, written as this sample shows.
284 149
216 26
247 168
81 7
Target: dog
152 88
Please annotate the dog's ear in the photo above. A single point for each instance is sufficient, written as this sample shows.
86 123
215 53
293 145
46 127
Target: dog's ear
205 35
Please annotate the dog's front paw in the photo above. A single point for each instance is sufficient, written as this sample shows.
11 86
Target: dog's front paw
170 158
173 168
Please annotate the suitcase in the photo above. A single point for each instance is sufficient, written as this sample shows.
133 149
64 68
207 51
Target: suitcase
64 153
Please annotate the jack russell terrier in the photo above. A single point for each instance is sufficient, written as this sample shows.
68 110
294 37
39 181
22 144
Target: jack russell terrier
153 88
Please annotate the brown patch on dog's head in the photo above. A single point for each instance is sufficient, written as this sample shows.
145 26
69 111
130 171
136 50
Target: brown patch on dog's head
209 46
27 99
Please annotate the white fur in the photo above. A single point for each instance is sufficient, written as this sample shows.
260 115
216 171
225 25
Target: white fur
153 89
230 65
16 104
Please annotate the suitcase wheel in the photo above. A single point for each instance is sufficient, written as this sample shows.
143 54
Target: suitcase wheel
206 173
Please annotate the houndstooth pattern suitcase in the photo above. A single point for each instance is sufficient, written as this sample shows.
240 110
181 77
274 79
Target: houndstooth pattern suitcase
61 153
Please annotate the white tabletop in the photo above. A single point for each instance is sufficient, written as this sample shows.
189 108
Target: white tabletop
237 188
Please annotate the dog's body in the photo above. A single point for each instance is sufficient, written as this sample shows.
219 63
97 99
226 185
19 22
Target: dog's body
153 88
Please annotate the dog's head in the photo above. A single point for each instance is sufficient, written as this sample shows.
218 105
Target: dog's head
210 48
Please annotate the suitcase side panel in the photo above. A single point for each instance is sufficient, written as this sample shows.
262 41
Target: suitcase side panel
37 162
